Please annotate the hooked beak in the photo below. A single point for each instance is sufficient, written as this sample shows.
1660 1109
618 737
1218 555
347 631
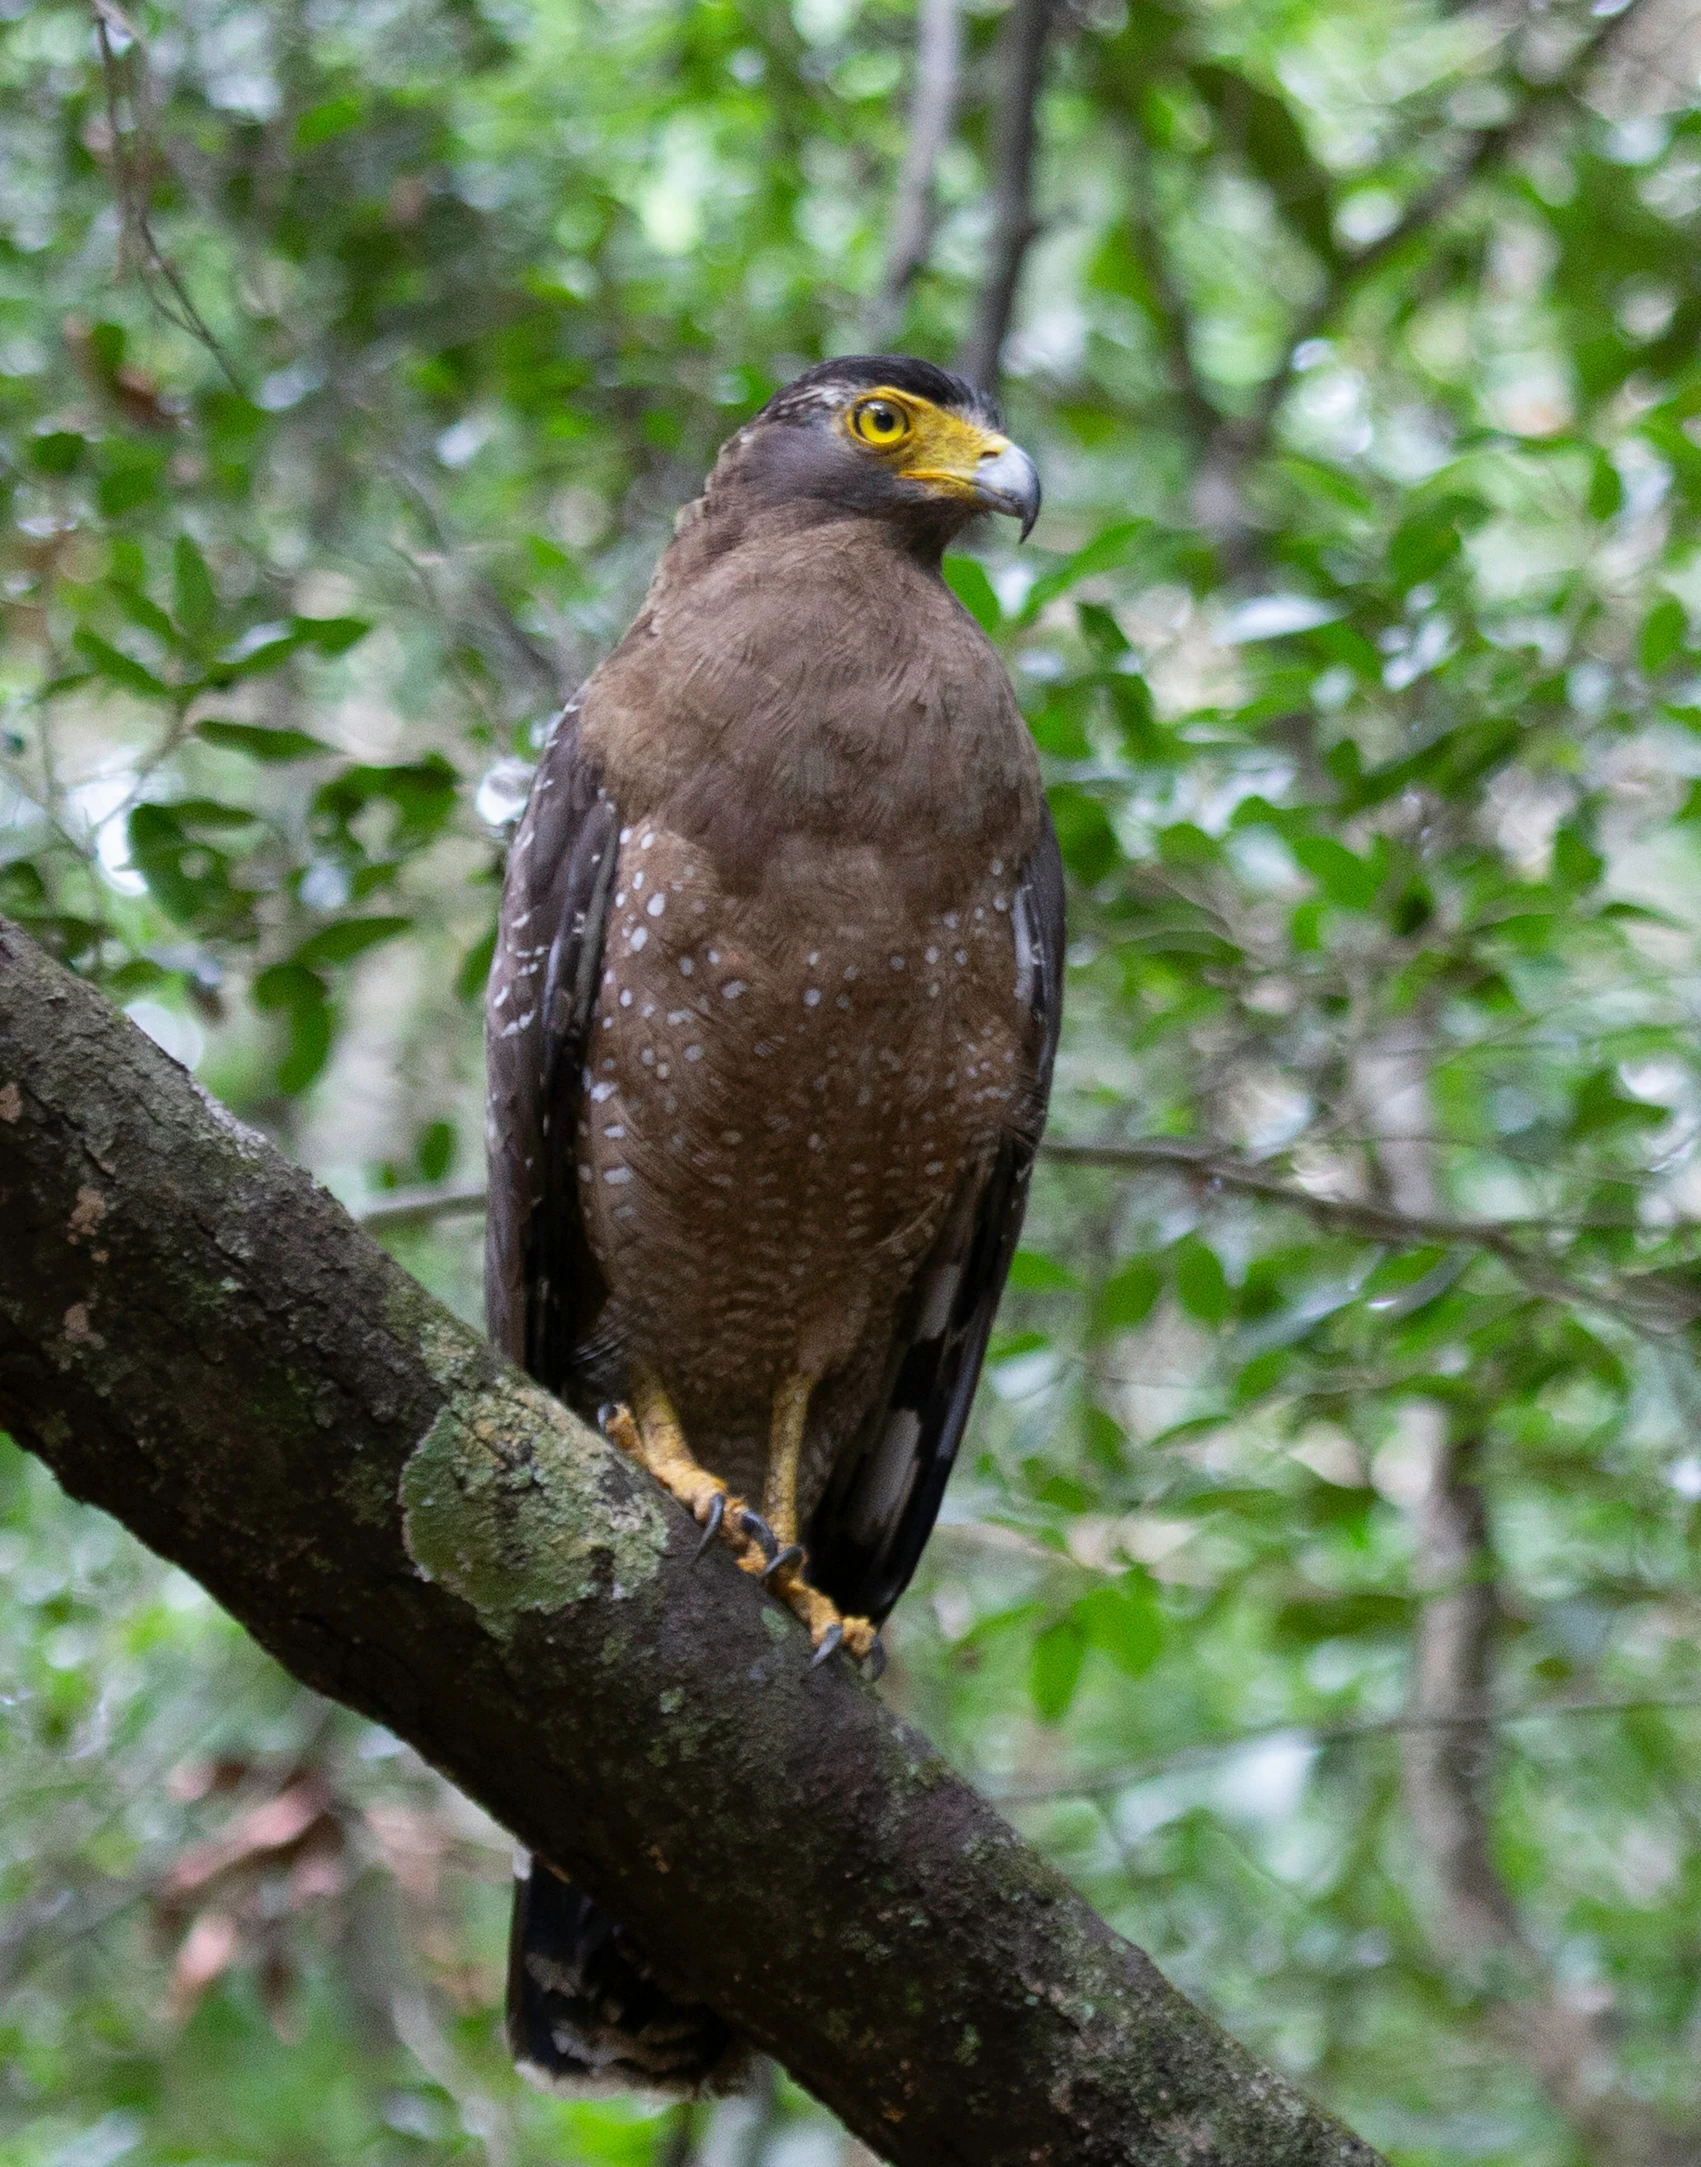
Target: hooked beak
1006 480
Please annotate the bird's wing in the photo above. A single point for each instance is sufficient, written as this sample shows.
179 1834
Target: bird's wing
878 1511
542 1288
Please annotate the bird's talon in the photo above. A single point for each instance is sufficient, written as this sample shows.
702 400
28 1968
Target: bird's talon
752 1524
831 1640
791 1555
876 1659
711 1523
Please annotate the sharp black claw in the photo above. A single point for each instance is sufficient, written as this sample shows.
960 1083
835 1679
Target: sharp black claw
831 1640
876 1658
712 1525
753 1525
792 1554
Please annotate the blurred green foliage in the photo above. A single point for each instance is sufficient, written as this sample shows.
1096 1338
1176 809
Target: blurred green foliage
1360 639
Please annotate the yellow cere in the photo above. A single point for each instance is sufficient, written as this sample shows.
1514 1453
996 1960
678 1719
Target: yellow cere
929 444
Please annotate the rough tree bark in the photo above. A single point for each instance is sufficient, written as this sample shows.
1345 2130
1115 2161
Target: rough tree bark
197 1338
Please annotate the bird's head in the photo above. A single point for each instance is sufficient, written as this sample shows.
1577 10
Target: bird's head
885 437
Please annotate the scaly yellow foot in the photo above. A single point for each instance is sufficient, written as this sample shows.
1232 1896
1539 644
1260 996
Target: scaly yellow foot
649 1433
786 1573
828 1626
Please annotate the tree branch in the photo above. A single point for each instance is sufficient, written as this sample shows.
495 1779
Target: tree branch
1022 57
933 106
1484 148
1446 1755
1649 1303
197 1338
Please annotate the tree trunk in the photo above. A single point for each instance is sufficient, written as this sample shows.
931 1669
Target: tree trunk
198 1339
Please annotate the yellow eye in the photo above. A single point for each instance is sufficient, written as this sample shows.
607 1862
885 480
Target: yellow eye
878 421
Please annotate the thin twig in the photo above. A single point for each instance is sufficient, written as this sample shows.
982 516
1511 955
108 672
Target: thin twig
421 1207
1347 1215
138 245
933 106
1413 1722
1022 53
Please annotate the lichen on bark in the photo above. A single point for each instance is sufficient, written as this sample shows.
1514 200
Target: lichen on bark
507 1507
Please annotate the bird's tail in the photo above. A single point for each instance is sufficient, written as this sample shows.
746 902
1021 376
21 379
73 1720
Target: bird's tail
587 2014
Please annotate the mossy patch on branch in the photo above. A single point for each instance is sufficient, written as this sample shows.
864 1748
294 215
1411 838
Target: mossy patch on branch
506 1505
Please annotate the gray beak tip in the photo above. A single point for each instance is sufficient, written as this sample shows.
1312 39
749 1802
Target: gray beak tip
1009 482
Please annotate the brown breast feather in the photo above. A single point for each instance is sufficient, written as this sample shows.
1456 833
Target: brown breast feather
806 1034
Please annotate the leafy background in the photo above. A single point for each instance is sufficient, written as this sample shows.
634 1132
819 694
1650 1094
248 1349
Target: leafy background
1320 1587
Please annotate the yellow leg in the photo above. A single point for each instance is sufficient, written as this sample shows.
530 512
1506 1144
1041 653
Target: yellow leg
785 1449
779 1503
650 1432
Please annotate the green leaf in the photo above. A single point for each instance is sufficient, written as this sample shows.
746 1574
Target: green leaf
194 600
1575 863
1201 1286
1110 548
118 668
1033 1273
57 451
259 743
474 968
1101 631
1599 1108
1185 845
129 482
260 650
1125 1300
22 889
1084 833
1054 1668
330 635
1060 727
1427 542
143 611
1351 882
1665 634
422 795
1124 1621
967 580
436 1152
1606 488
348 938
1261 1375
187 877
331 117
1131 701
304 998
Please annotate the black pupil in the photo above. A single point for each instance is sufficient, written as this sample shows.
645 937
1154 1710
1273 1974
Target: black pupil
882 419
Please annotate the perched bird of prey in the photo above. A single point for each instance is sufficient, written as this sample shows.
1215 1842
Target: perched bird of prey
771 1024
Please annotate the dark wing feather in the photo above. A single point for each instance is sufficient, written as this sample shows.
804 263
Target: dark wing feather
873 1523
585 2010
542 1288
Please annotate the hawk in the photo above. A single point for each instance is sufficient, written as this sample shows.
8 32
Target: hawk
770 1032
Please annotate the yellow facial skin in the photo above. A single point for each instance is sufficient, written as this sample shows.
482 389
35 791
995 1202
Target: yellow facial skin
923 442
